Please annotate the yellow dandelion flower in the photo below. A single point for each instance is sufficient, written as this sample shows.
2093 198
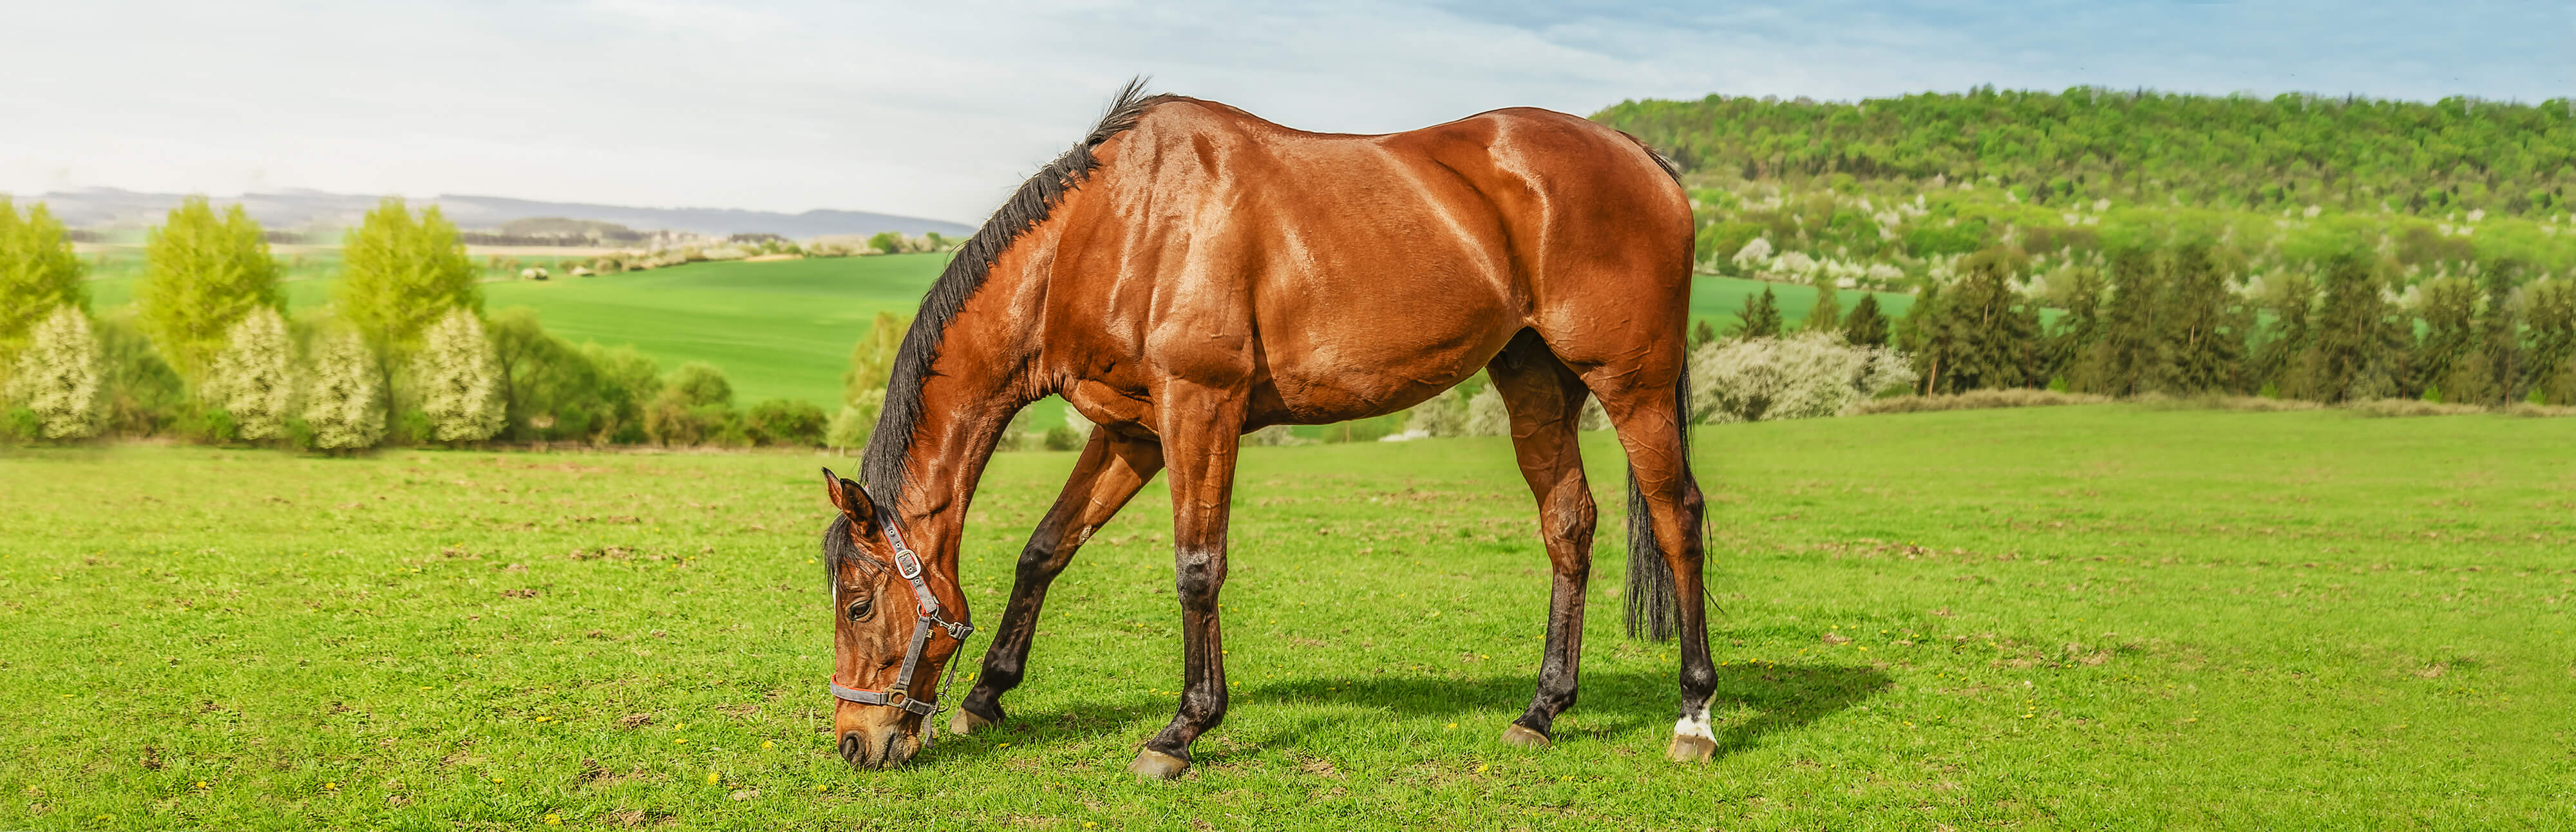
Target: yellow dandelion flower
767 744
712 777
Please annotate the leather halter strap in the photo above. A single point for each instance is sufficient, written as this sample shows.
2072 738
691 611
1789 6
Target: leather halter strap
908 564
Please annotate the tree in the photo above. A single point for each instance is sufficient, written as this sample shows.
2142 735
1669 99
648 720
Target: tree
2448 308
851 427
2292 301
872 358
2359 348
202 274
1802 376
2079 328
549 389
2549 366
2203 325
1923 334
460 389
1761 316
1994 332
38 272
628 381
57 376
250 379
399 275
2127 360
1827 314
344 406
698 383
2499 333
1866 326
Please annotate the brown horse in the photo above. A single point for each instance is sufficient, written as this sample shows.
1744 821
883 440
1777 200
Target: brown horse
1189 273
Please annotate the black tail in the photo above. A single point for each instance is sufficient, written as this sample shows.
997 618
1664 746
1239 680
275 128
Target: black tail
1652 607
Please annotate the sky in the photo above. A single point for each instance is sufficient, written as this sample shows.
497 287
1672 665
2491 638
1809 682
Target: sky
939 109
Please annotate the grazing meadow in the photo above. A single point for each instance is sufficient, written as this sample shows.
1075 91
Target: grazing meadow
2076 617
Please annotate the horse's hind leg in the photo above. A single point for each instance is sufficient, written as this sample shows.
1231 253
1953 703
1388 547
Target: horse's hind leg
1545 400
1109 472
1652 422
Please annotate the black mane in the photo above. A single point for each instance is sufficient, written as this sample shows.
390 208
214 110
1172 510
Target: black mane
882 464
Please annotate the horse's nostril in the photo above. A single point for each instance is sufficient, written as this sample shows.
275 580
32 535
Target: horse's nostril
851 748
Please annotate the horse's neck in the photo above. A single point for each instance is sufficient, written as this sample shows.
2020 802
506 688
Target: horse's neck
979 380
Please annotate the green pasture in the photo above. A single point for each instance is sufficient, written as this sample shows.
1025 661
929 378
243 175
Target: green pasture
2079 617
781 329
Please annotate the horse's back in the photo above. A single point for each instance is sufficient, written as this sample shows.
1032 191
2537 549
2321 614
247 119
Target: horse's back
1361 274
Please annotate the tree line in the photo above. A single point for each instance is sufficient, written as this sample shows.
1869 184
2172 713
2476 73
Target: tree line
404 354
2091 143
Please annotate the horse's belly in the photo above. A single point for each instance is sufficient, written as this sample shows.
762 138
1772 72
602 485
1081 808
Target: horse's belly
1371 359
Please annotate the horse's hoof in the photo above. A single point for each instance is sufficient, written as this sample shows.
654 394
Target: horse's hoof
1155 765
1690 749
1516 734
966 722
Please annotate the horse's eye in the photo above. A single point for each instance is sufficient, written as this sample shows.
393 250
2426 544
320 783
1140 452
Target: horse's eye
862 608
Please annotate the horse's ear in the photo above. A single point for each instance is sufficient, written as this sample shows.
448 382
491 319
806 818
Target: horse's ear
849 498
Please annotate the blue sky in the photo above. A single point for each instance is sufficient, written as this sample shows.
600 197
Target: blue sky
938 109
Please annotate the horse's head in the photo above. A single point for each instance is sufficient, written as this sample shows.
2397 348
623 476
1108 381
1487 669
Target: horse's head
890 636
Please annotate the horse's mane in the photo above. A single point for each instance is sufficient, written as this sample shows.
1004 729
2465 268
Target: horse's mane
882 464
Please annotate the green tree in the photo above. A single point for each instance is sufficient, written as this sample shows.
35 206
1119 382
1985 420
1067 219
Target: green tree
2292 300
2549 364
549 389
788 422
872 358
2448 309
1760 317
202 273
2203 324
1994 332
38 272
402 273
2359 350
1827 315
2500 332
2079 328
628 381
1925 336
2128 358
1866 326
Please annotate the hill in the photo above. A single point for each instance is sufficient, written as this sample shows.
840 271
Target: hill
2458 154
302 209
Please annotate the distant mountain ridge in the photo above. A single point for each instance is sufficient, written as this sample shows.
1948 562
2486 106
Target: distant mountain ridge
110 208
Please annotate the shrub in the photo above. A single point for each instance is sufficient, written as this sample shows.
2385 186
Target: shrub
342 407
626 381
1444 415
1486 415
460 389
56 378
1278 436
139 394
785 422
1803 376
250 377
698 384
1062 438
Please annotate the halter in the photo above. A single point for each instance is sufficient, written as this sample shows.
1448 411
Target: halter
909 565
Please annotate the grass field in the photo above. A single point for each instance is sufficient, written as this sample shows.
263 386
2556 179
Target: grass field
783 329
2079 617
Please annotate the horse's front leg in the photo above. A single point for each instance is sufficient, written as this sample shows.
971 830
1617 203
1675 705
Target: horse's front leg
1202 429
1111 469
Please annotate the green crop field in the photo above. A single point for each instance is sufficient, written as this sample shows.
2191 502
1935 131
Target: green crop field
783 329
2080 617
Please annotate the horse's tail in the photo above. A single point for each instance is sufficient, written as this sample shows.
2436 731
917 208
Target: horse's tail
1652 607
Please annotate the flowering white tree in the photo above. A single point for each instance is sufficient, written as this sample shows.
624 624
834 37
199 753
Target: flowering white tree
341 406
1802 376
249 378
1753 254
57 376
460 388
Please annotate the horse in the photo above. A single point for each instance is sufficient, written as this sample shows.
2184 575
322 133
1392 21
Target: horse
1188 273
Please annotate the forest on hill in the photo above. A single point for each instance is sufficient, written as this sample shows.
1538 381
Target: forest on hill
2088 143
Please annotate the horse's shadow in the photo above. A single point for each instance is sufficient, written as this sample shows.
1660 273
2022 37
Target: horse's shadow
1779 697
